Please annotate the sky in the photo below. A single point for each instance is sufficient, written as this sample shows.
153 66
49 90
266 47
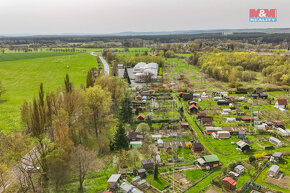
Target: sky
112 16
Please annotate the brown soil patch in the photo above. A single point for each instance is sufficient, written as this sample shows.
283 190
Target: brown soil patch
284 182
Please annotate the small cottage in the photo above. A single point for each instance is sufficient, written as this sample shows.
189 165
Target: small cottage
278 124
141 117
206 120
275 141
134 136
210 130
211 160
135 144
147 164
243 146
229 183
240 169
160 143
223 135
141 172
233 175
197 147
277 156
273 171
184 125
282 132
242 135
114 181
281 104
193 109
201 115
187 97
231 120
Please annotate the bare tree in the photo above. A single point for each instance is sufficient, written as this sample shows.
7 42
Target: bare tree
82 162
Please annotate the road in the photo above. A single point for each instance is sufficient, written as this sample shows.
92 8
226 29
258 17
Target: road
105 64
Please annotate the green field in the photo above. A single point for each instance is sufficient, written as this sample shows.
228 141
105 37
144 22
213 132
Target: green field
22 73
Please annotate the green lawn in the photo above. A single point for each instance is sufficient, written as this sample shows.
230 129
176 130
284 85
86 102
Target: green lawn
22 77
194 175
160 183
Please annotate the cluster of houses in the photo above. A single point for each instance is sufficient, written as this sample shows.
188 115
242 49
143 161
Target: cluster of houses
230 180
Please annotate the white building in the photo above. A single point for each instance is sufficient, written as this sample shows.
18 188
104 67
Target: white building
275 141
143 70
282 132
273 171
231 120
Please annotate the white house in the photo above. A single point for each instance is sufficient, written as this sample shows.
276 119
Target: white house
240 169
275 141
281 104
231 120
217 98
282 132
273 171
160 143
261 127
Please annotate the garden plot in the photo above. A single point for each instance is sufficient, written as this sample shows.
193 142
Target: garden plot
181 183
284 182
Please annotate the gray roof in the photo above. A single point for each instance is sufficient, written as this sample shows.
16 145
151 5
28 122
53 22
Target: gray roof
141 170
277 154
114 178
137 178
201 161
274 168
147 161
242 144
125 186
234 174
239 167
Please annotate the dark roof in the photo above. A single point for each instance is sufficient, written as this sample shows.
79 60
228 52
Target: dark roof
197 145
187 96
282 101
259 91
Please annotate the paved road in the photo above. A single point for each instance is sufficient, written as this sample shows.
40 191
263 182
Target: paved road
105 64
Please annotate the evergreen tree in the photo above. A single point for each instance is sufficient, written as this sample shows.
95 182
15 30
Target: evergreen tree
68 84
126 76
125 114
156 171
90 79
121 141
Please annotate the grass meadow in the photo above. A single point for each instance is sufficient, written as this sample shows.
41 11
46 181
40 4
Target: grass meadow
22 73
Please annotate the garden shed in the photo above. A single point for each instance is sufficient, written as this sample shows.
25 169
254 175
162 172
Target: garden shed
273 171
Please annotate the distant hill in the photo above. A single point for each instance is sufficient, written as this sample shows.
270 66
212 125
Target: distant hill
225 31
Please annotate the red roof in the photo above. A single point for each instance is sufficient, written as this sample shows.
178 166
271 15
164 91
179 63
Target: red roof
141 115
230 180
246 118
151 90
139 96
181 93
193 106
140 107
